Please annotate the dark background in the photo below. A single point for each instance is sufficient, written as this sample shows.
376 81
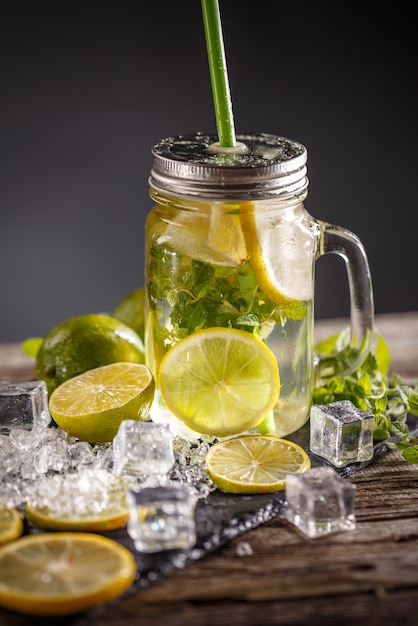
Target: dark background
87 88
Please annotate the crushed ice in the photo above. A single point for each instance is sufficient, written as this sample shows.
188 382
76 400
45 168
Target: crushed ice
35 462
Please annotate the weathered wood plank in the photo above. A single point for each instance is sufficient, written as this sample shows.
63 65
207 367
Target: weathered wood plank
364 609
356 575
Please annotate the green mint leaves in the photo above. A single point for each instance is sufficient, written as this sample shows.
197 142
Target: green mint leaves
202 295
370 389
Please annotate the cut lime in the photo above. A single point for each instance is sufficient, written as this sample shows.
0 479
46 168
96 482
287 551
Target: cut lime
255 463
92 406
220 381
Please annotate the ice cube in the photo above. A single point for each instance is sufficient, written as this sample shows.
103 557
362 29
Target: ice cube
23 405
320 502
341 433
161 518
143 448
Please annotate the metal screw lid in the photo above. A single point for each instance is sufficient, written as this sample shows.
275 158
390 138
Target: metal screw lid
262 166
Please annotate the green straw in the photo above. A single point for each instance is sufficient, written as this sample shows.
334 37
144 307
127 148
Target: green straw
218 73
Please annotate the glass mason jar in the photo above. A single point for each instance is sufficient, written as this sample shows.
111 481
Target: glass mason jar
229 243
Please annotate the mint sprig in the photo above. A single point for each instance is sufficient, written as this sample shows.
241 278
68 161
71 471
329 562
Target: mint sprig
371 388
203 295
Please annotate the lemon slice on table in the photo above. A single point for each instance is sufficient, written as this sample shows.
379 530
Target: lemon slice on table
281 251
88 500
92 405
220 381
11 524
255 463
213 236
63 573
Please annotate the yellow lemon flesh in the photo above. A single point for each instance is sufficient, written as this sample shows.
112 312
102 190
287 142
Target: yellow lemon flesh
211 235
63 502
92 406
83 343
255 463
11 524
280 247
63 573
220 381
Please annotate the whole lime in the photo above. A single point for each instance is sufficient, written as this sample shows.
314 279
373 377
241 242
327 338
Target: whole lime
131 310
82 343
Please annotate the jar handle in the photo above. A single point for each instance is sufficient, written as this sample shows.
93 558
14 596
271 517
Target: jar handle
338 240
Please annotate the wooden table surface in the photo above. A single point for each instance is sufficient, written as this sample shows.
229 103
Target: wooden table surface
366 576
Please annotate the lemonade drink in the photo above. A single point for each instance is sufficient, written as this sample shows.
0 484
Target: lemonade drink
230 244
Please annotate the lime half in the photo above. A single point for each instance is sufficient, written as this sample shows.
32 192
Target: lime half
92 406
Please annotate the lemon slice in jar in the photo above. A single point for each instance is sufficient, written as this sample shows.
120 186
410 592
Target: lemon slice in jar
220 381
280 247
211 235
